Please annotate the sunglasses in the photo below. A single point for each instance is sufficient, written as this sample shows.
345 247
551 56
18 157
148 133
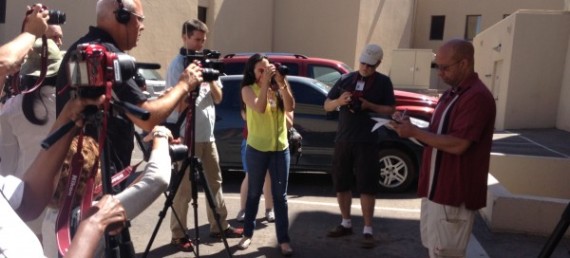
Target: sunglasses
140 18
444 68
368 65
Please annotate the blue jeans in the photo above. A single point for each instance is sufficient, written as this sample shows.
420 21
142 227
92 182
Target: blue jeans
258 163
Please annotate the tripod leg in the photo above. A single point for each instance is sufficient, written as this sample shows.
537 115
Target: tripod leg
556 234
197 166
175 184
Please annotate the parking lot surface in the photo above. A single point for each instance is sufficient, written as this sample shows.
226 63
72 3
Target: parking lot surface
313 211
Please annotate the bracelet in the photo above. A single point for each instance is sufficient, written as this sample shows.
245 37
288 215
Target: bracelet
159 134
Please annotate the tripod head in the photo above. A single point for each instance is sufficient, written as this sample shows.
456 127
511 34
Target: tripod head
93 115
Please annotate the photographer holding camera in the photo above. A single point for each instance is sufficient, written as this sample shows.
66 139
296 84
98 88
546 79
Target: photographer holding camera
356 95
268 103
119 26
209 93
12 53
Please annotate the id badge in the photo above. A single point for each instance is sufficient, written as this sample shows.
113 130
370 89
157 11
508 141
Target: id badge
359 86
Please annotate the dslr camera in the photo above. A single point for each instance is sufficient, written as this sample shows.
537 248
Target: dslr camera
92 69
282 70
209 59
55 16
355 105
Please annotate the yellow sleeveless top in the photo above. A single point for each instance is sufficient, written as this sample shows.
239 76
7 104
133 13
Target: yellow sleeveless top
266 131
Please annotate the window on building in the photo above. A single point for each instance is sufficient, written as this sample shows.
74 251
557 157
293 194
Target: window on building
202 11
437 26
472 26
2 11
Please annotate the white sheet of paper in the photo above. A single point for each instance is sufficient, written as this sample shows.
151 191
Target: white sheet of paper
386 122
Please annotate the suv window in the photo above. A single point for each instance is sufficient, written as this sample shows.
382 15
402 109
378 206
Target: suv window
233 68
232 95
325 74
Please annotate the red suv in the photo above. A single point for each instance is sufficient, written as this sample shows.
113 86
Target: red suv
329 71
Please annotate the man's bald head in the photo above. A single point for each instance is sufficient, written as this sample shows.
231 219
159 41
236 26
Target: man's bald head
125 34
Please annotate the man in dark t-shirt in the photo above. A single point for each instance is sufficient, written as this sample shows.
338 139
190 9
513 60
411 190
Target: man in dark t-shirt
357 95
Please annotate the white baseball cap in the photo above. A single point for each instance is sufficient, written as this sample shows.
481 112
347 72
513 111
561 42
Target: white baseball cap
372 54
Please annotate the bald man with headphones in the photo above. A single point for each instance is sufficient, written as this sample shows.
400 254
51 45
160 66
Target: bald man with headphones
119 26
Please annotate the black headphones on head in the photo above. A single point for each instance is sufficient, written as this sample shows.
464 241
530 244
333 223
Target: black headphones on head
121 14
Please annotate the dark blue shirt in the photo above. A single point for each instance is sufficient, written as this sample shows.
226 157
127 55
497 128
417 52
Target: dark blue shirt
357 126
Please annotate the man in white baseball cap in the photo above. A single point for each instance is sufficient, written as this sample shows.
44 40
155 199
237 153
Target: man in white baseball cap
372 55
357 95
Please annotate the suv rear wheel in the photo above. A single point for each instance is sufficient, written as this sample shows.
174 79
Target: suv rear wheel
397 170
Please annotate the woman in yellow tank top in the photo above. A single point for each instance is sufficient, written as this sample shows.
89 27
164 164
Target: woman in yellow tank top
267 97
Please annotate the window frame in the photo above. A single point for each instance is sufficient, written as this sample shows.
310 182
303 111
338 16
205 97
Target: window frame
437 32
469 30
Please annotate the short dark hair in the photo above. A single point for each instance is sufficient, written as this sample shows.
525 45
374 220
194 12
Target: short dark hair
191 25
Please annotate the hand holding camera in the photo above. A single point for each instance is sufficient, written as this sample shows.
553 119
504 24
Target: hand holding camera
36 20
38 17
191 76
278 76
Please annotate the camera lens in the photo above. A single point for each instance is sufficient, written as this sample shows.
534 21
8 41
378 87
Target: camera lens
283 69
209 74
56 17
178 152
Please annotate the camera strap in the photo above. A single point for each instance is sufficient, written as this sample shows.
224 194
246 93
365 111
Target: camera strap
64 216
43 70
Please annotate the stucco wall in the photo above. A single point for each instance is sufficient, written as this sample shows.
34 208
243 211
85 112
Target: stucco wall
525 74
456 11
563 120
161 40
387 23
242 26
79 13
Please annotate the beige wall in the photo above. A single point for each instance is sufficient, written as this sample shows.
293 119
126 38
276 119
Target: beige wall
525 74
305 27
563 120
161 39
456 11
79 15
241 26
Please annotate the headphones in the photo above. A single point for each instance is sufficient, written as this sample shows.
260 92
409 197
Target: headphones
121 14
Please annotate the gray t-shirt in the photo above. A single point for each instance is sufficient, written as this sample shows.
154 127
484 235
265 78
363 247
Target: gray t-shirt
205 109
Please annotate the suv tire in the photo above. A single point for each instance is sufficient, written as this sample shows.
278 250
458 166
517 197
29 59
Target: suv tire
397 170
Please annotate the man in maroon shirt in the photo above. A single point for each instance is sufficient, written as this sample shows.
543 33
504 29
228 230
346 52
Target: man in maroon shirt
453 176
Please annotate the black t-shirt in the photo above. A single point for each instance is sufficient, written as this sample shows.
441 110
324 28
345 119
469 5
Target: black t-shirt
357 126
120 130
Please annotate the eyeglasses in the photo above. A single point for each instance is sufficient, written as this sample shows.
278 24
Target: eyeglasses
368 65
444 68
140 18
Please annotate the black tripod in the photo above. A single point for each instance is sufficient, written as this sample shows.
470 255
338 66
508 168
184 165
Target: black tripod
196 174
556 234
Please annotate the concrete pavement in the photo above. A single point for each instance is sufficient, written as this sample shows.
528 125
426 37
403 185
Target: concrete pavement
312 212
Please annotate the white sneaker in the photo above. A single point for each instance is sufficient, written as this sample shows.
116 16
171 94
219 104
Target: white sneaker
244 243
240 216
270 215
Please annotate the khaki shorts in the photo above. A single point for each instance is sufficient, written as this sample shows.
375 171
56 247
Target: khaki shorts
445 230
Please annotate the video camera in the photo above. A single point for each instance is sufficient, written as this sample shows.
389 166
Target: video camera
55 16
209 59
92 68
